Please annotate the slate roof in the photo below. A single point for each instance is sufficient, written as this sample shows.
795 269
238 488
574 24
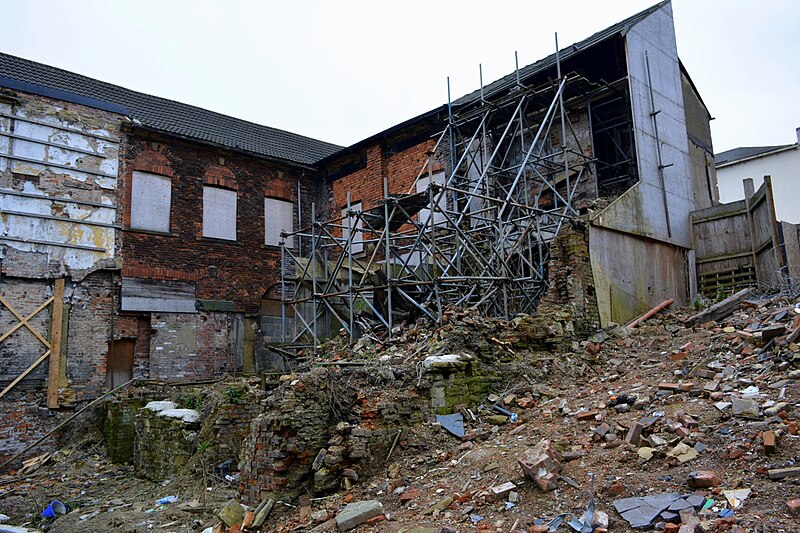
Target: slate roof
168 116
744 152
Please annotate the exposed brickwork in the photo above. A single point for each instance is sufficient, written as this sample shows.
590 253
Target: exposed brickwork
153 162
190 346
366 185
220 176
92 303
23 421
238 271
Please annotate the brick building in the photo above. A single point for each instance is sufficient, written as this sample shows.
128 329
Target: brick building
155 226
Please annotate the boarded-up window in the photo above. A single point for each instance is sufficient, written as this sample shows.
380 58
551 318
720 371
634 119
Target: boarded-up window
278 215
356 224
219 213
422 185
150 201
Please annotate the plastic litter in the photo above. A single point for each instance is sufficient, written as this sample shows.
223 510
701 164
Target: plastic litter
166 499
475 518
511 416
54 509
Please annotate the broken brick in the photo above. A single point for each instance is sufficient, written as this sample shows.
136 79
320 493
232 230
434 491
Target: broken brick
634 434
703 479
769 442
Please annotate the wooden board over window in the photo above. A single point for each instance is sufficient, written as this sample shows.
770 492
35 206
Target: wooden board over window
219 213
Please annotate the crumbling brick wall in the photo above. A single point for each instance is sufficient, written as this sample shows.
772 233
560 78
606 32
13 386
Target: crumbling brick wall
316 426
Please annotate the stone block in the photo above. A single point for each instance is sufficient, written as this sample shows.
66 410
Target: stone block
356 513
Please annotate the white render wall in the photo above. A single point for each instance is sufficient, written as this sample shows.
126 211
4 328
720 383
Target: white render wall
58 186
784 167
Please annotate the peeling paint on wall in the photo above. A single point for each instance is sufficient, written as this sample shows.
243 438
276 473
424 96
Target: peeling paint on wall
58 181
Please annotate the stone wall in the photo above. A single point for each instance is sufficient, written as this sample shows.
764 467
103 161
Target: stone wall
316 430
166 439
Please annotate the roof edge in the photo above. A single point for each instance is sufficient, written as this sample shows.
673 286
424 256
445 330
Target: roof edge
65 96
777 150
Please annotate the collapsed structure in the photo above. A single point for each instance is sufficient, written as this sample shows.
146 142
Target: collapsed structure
144 238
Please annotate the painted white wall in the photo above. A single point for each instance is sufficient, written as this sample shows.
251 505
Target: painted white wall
784 167
655 37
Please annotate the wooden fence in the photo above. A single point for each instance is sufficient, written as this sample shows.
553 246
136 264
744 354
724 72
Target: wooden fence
738 244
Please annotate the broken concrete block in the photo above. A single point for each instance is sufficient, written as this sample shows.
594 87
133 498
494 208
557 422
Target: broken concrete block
703 479
744 407
262 512
232 514
497 420
356 513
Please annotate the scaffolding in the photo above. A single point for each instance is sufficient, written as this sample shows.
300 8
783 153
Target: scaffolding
473 229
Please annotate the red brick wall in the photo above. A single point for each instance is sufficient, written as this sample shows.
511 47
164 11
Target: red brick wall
238 271
366 185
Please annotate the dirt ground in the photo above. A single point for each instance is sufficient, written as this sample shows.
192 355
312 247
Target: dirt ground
682 377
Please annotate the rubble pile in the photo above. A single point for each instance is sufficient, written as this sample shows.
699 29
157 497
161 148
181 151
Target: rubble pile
685 423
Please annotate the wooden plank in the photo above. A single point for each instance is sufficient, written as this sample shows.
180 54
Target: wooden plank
22 376
56 321
23 321
721 309
780 473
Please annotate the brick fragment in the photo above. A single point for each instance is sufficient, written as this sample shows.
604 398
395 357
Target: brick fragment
703 479
769 441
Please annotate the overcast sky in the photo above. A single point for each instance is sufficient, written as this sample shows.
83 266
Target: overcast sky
343 70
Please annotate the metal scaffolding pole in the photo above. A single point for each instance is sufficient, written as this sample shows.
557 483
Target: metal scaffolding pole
478 239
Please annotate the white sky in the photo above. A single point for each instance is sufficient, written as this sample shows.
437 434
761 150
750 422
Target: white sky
343 70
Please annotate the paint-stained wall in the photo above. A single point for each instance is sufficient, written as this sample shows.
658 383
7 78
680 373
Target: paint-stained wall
58 186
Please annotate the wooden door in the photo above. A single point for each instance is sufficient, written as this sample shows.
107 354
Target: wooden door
120 362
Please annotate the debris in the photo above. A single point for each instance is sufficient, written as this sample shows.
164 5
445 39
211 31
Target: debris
166 499
769 442
356 513
703 479
780 473
511 416
794 506
453 423
501 491
542 465
720 310
642 512
744 407
736 497
439 506
262 512
54 509
232 514
652 312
